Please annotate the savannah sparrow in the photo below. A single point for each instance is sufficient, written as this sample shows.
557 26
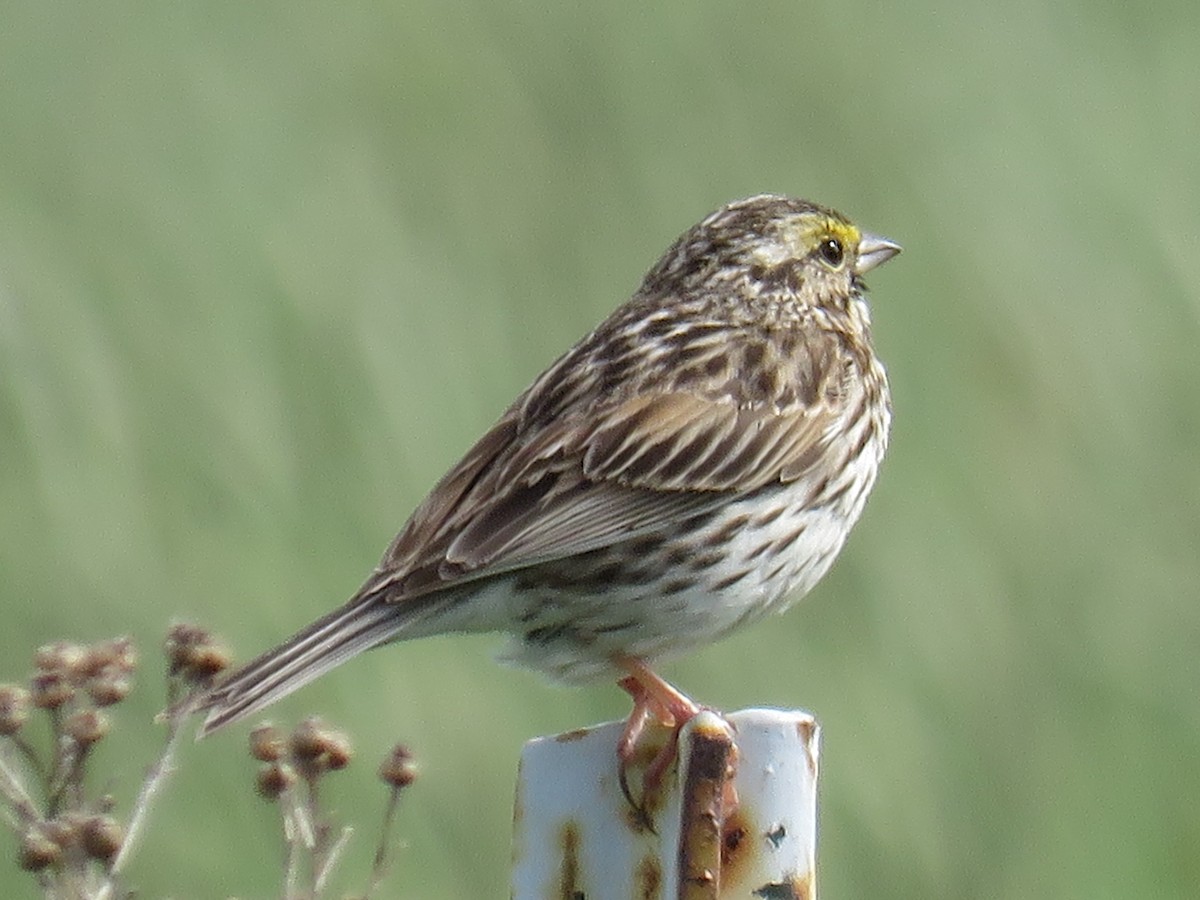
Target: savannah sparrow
693 464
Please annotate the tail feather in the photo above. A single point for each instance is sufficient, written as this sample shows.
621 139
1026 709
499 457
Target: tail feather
363 623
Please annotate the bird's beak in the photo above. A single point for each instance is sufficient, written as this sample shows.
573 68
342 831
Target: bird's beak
874 250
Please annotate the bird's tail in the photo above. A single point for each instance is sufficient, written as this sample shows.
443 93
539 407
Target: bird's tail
365 622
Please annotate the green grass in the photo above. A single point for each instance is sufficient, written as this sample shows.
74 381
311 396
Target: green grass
267 269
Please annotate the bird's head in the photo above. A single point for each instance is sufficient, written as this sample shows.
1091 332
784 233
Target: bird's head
772 245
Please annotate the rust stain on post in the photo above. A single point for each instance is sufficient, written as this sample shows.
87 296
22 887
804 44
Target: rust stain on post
569 888
518 801
737 849
649 878
806 729
808 732
568 737
798 887
707 801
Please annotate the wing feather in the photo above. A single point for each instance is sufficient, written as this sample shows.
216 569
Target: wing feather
643 464
567 472
691 443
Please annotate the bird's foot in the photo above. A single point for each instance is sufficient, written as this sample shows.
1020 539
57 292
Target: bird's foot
654 699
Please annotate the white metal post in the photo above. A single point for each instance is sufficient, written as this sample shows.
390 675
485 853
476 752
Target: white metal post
736 819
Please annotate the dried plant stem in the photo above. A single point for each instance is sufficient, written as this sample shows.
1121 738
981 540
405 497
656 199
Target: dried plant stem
320 829
59 765
298 836
71 787
329 859
291 851
302 830
13 789
156 777
31 757
379 865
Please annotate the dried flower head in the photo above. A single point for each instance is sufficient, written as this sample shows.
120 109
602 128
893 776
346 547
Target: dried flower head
64 657
50 689
117 656
193 654
316 748
14 708
273 779
86 726
102 837
399 768
267 743
339 752
38 849
109 687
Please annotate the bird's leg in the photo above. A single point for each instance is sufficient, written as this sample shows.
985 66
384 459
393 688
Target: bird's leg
671 707
636 723
652 696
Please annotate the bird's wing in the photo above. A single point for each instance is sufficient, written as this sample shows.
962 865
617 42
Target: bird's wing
588 481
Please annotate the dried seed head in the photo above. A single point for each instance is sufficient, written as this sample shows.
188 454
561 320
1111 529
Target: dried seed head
109 667
118 656
102 837
317 748
38 849
182 639
399 769
63 830
124 653
273 779
63 657
308 739
209 660
267 743
86 726
338 753
14 708
109 687
50 689
194 654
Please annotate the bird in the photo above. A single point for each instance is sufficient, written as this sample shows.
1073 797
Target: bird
691 466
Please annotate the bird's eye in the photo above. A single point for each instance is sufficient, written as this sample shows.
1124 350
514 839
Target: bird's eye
831 252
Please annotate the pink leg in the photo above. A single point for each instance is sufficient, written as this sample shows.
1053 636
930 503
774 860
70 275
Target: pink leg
650 689
652 696
636 723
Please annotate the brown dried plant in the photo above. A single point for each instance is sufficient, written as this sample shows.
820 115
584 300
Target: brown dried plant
68 835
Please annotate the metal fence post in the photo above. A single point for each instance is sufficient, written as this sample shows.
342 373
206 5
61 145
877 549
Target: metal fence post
737 819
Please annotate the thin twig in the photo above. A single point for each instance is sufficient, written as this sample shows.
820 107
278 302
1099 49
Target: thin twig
320 828
155 779
73 784
330 859
11 818
293 837
57 780
31 757
14 791
379 865
301 819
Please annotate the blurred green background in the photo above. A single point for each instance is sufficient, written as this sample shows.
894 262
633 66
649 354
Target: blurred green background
267 269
